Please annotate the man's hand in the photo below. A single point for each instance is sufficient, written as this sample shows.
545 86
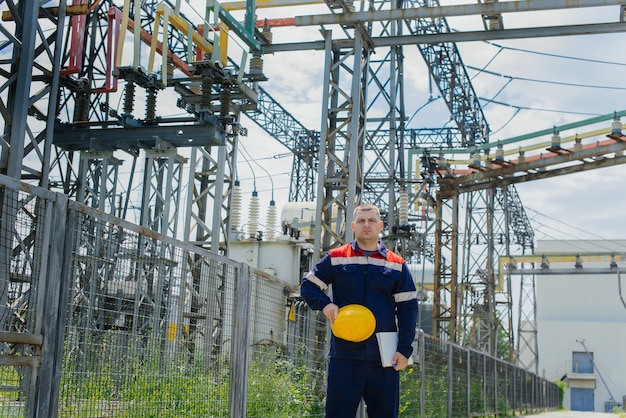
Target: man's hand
330 311
399 362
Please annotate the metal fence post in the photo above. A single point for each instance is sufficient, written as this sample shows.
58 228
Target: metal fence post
469 382
450 380
484 357
496 382
240 347
422 363
514 394
55 309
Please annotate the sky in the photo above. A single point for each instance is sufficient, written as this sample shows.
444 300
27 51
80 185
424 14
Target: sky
524 85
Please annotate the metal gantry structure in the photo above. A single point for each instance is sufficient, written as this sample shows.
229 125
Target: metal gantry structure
73 78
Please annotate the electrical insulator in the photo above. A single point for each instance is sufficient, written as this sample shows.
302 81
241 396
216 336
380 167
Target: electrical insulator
235 208
500 153
578 145
267 34
403 208
616 126
207 92
129 98
270 224
225 100
476 159
151 104
253 215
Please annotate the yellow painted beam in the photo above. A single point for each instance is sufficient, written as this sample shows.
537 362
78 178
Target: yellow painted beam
183 26
241 5
562 258
166 17
70 10
506 261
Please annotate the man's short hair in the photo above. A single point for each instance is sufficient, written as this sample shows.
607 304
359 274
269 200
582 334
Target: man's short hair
366 208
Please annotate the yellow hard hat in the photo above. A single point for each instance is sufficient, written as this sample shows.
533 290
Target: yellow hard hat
354 323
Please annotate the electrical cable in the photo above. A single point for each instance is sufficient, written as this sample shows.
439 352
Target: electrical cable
424 259
507 122
244 151
488 62
246 157
429 101
498 92
535 80
575 237
539 109
501 47
619 287
560 231
566 224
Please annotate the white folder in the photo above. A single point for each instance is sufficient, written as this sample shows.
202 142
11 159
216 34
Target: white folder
388 346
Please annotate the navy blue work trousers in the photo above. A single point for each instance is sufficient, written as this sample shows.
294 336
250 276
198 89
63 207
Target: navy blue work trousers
351 380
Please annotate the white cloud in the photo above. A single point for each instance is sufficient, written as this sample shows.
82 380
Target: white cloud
536 84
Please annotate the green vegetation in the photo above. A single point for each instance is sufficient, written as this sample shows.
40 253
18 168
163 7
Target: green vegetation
409 392
9 383
282 390
134 384
147 390
10 403
561 387
435 389
277 388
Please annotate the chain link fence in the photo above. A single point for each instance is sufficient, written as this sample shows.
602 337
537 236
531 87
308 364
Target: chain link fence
103 318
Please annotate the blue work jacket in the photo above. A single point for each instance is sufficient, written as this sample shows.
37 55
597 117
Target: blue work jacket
380 281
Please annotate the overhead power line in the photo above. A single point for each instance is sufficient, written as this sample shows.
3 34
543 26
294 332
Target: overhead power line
547 54
576 231
537 109
535 80
510 79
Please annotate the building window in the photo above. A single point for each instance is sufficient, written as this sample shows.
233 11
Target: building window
582 362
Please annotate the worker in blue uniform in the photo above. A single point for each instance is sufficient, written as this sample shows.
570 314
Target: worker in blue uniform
365 273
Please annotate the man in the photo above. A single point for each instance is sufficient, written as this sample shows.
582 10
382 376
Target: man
364 272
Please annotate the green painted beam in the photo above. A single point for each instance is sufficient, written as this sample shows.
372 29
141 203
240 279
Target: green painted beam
246 33
250 23
520 138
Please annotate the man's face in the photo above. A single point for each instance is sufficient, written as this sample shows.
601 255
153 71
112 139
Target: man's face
367 225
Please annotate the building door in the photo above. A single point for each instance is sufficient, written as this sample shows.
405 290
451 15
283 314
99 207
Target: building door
581 399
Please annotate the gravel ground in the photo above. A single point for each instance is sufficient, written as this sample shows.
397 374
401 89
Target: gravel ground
576 414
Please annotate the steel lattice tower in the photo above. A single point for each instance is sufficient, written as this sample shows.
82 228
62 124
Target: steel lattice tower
70 102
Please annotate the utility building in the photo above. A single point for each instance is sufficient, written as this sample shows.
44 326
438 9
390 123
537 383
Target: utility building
581 321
